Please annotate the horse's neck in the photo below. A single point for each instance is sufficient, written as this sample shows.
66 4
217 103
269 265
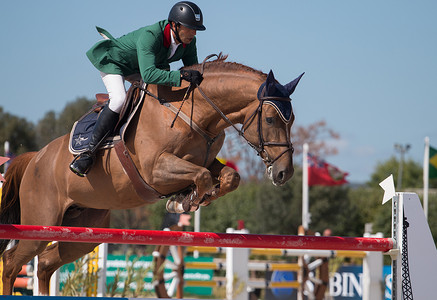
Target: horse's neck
232 95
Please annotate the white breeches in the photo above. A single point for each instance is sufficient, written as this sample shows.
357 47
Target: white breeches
114 84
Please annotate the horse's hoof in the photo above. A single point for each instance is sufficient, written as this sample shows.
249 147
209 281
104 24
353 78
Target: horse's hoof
191 202
174 207
194 208
186 205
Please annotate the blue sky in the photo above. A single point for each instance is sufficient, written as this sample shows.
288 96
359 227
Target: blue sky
371 66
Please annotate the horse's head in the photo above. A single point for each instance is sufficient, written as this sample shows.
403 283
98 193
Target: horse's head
268 128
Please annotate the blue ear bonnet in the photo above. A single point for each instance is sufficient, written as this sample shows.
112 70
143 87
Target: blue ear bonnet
282 107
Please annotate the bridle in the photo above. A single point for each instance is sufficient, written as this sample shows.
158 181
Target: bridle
260 148
262 143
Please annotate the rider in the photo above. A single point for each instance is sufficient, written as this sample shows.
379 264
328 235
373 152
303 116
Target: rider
147 51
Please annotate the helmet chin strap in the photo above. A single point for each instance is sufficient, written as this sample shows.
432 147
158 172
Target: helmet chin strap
176 32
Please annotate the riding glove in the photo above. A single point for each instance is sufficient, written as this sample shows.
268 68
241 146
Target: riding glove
192 76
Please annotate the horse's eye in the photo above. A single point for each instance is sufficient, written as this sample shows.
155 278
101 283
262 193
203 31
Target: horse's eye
269 120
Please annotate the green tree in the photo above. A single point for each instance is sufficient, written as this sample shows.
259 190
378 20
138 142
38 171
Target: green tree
46 129
278 209
411 176
72 112
19 132
331 207
226 211
368 200
53 126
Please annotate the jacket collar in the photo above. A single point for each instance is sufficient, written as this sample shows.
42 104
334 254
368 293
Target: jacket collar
167 37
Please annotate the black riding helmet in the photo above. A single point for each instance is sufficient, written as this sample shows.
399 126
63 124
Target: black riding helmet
188 14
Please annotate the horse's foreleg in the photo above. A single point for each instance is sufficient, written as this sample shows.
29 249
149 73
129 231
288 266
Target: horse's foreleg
59 254
171 171
15 258
229 181
228 178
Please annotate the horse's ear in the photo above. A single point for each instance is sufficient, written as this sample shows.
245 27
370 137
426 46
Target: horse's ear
291 86
270 83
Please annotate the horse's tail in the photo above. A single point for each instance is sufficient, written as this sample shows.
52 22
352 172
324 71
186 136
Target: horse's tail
10 200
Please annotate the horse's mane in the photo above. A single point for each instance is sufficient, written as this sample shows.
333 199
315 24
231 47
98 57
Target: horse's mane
220 65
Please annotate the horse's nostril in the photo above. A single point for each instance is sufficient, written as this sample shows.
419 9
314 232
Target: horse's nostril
281 176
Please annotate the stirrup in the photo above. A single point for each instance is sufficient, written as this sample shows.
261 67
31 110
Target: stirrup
72 169
75 170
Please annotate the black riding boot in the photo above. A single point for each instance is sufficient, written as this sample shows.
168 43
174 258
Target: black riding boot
104 126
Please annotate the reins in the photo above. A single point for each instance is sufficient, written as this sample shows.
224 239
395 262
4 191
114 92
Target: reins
188 120
210 141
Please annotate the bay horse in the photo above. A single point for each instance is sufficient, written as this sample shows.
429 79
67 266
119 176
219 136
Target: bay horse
169 155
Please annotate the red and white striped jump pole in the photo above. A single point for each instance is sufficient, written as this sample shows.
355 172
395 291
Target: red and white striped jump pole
181 238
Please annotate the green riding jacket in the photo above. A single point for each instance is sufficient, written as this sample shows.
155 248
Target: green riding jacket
143 51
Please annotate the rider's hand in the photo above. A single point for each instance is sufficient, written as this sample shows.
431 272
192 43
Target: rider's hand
192 76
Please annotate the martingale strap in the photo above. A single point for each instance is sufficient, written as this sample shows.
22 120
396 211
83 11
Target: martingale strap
142 188
145 191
